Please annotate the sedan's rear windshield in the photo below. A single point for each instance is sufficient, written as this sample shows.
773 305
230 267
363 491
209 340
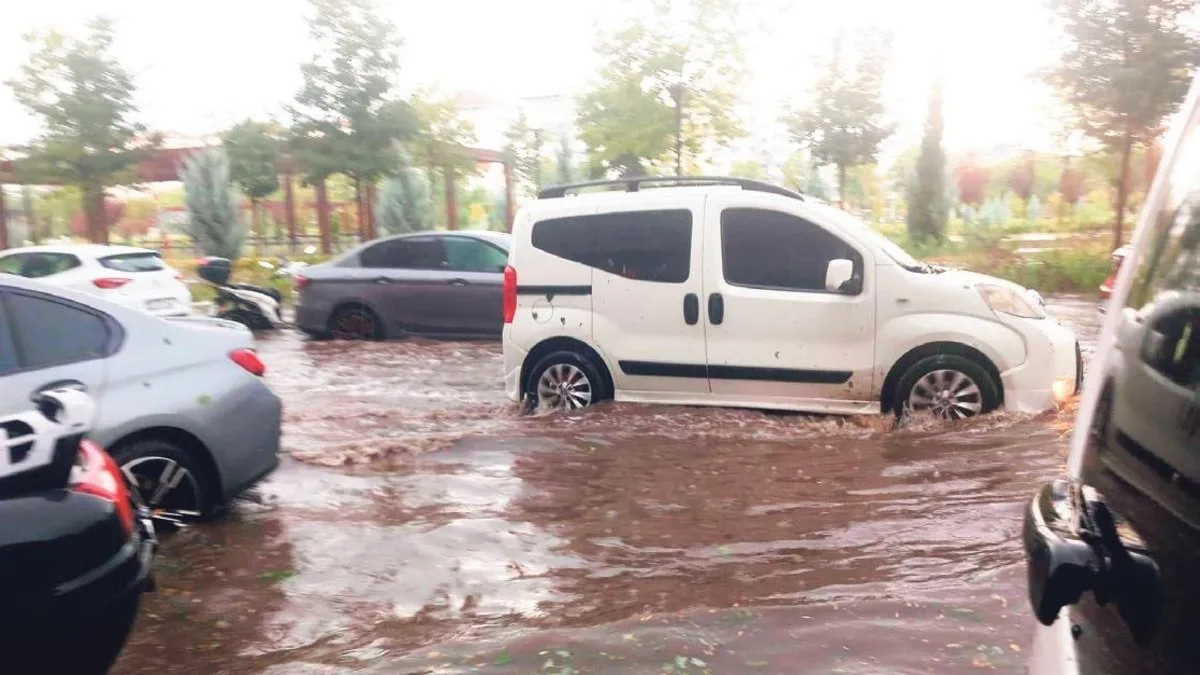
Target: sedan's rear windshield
133 262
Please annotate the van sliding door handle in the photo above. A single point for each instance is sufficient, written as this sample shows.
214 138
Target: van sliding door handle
716 309
691 309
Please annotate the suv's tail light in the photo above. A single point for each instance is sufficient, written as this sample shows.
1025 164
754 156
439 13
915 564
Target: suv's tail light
246 358
96 474
109 283
301 282
510 293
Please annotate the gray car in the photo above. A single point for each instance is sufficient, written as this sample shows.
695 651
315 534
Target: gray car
180 403
443 284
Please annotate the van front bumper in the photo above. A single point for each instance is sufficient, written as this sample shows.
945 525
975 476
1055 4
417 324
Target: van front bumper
1051 372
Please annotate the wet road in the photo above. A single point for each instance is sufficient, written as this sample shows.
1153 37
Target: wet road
420 525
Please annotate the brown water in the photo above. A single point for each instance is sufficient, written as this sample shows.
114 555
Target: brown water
426 527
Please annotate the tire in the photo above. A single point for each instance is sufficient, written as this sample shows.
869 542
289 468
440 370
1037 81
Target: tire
582 384
971 390
355 322
188 496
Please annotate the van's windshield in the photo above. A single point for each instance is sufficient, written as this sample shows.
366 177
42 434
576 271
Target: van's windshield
892 249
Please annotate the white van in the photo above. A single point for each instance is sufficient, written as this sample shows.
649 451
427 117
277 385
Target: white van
730 292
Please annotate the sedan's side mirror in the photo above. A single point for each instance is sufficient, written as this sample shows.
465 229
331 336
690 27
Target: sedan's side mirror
837 274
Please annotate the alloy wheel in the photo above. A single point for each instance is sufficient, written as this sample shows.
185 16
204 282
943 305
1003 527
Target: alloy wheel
948 394
564 386
355 324
167 488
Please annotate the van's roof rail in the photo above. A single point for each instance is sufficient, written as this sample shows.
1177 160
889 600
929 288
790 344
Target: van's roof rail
635 184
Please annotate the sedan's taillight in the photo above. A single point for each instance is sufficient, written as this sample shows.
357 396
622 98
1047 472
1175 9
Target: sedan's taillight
95 473
301 282
246 358
109 283
510 293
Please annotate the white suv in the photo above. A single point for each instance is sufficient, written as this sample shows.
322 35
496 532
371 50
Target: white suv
717 291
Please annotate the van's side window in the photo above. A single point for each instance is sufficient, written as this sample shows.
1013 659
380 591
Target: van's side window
770 249
643 245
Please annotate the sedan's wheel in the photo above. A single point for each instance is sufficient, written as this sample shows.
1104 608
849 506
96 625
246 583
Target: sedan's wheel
354 323
167 481
949 387
566 381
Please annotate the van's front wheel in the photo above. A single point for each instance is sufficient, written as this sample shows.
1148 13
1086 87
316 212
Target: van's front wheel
948 386
566 381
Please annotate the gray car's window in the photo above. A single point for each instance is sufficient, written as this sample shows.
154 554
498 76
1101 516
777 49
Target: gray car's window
422 253
642 245
48 333
770 249
471 255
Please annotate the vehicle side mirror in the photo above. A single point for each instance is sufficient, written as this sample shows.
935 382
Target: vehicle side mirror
838 276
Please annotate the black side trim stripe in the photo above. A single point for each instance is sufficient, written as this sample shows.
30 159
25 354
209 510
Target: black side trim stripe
554 290
655 369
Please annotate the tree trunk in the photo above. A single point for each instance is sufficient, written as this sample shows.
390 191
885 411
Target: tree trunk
256 227
289 207
95 226
1122 190
369 207
323 216
31 223
451 199
3 221
841 168
359 212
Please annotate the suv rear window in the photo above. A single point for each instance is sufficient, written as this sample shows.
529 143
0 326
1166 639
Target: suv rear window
643 245
133 262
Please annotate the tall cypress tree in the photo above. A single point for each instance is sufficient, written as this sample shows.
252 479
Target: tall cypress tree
927 209
213 220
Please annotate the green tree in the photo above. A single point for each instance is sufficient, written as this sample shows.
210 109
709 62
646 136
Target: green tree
667 88
748 168
403 204
253 149
346 116
1126 67
523 149
845 124
84 99
213 221
927 209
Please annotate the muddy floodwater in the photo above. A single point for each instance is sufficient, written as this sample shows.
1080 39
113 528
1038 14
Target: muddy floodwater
419 524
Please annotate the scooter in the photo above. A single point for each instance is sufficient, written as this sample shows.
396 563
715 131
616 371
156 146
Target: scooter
256 307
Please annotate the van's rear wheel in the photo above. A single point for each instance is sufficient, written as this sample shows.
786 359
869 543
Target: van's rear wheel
566 381
947 386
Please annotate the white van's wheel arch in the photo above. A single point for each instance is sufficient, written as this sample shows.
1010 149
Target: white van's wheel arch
887 392
563 344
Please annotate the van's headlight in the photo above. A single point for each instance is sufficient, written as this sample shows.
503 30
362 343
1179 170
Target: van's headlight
1008 301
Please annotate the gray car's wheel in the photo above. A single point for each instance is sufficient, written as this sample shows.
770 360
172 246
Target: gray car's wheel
947 386
566 381
355 322
168 480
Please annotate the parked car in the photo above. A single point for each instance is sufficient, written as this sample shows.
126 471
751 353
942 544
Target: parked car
182 405
1106 288
133 277
443 284
75 550
1113 546
716 291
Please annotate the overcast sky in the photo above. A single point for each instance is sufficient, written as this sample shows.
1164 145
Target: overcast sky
201 66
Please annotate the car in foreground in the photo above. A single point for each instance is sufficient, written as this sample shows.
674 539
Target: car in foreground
730 292
182 404
1113 545
75 550
134 277
440 284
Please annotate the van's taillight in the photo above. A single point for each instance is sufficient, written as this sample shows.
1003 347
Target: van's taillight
95 473
510 293
109 283
301 282
246 358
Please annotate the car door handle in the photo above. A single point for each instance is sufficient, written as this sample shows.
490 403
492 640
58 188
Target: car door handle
457 282
716 309
691 309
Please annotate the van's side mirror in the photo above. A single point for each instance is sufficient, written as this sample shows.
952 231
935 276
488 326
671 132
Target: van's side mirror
837 274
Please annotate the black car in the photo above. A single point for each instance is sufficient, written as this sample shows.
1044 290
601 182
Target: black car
1113 547
75 551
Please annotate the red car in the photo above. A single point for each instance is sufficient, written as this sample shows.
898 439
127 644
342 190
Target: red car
1106 288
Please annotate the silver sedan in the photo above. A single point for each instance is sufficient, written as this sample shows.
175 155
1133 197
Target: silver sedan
181 403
